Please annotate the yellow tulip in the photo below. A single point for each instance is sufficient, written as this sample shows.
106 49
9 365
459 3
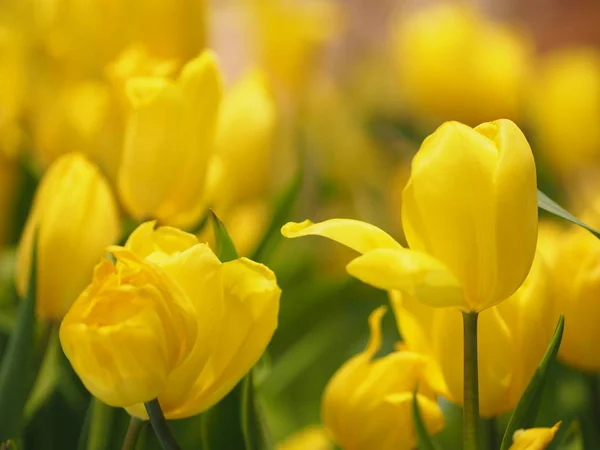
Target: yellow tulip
244 140
575 263
168 143
534 438
563 118
76 216
169 321
455 64
290 36
513 337
367 403
469 213
310 438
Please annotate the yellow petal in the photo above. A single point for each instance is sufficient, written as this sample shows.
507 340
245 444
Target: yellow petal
251 306
75 226
409 271
534 438
357 235
471 227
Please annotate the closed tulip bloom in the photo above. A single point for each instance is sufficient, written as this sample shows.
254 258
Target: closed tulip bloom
313 438
168 143
367 403
576 269
450 57
168 320
513 337
534 438
469 213
76 216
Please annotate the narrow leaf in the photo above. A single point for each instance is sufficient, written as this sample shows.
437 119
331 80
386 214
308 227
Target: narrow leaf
547 204
221 428
424 440
526 411
19 367
281 213
225 248
253 425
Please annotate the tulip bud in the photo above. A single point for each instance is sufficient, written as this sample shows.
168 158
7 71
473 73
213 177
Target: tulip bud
513 337
180 344
168 143
450 58
534 438
471 203
575 266
76 216
368 402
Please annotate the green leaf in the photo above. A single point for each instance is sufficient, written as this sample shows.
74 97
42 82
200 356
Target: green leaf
547 204
253 424
281 213
424 440
47 380
225 248
221 426
526 411
20 362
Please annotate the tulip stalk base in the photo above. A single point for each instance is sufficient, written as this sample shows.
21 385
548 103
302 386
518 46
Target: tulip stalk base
133 433
160 426
471 383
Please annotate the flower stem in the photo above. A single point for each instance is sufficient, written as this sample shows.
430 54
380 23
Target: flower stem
160 426
133 432
471 383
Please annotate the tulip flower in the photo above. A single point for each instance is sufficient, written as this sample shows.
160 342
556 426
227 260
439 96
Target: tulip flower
160 322
450 59
469 213
534 438
513 337
575 263
169 141
565 118
368 402
76 217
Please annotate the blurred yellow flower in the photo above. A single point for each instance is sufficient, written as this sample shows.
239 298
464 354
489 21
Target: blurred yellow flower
169 320
469 213
534 438
241 166
455 64
513 337
76 216
291 34
367 403
565 110
575 262
310 438
169 141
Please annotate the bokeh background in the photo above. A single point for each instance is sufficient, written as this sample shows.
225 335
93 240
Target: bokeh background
356 86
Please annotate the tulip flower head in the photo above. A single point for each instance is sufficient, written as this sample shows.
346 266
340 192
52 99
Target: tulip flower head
76 216
534 438
368 402
158 323
469 213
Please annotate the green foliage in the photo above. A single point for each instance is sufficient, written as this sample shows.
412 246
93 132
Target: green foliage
527 409
547 204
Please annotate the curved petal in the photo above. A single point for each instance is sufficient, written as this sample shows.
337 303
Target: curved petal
357 235
409 271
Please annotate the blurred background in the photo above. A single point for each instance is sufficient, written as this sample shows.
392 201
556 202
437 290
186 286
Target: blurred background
354 86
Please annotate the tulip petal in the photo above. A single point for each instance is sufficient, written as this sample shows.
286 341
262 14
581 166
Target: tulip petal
357 235
409 271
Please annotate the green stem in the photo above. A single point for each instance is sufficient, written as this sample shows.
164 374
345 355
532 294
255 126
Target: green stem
491 434
471 383
160 426
133 432
101 421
